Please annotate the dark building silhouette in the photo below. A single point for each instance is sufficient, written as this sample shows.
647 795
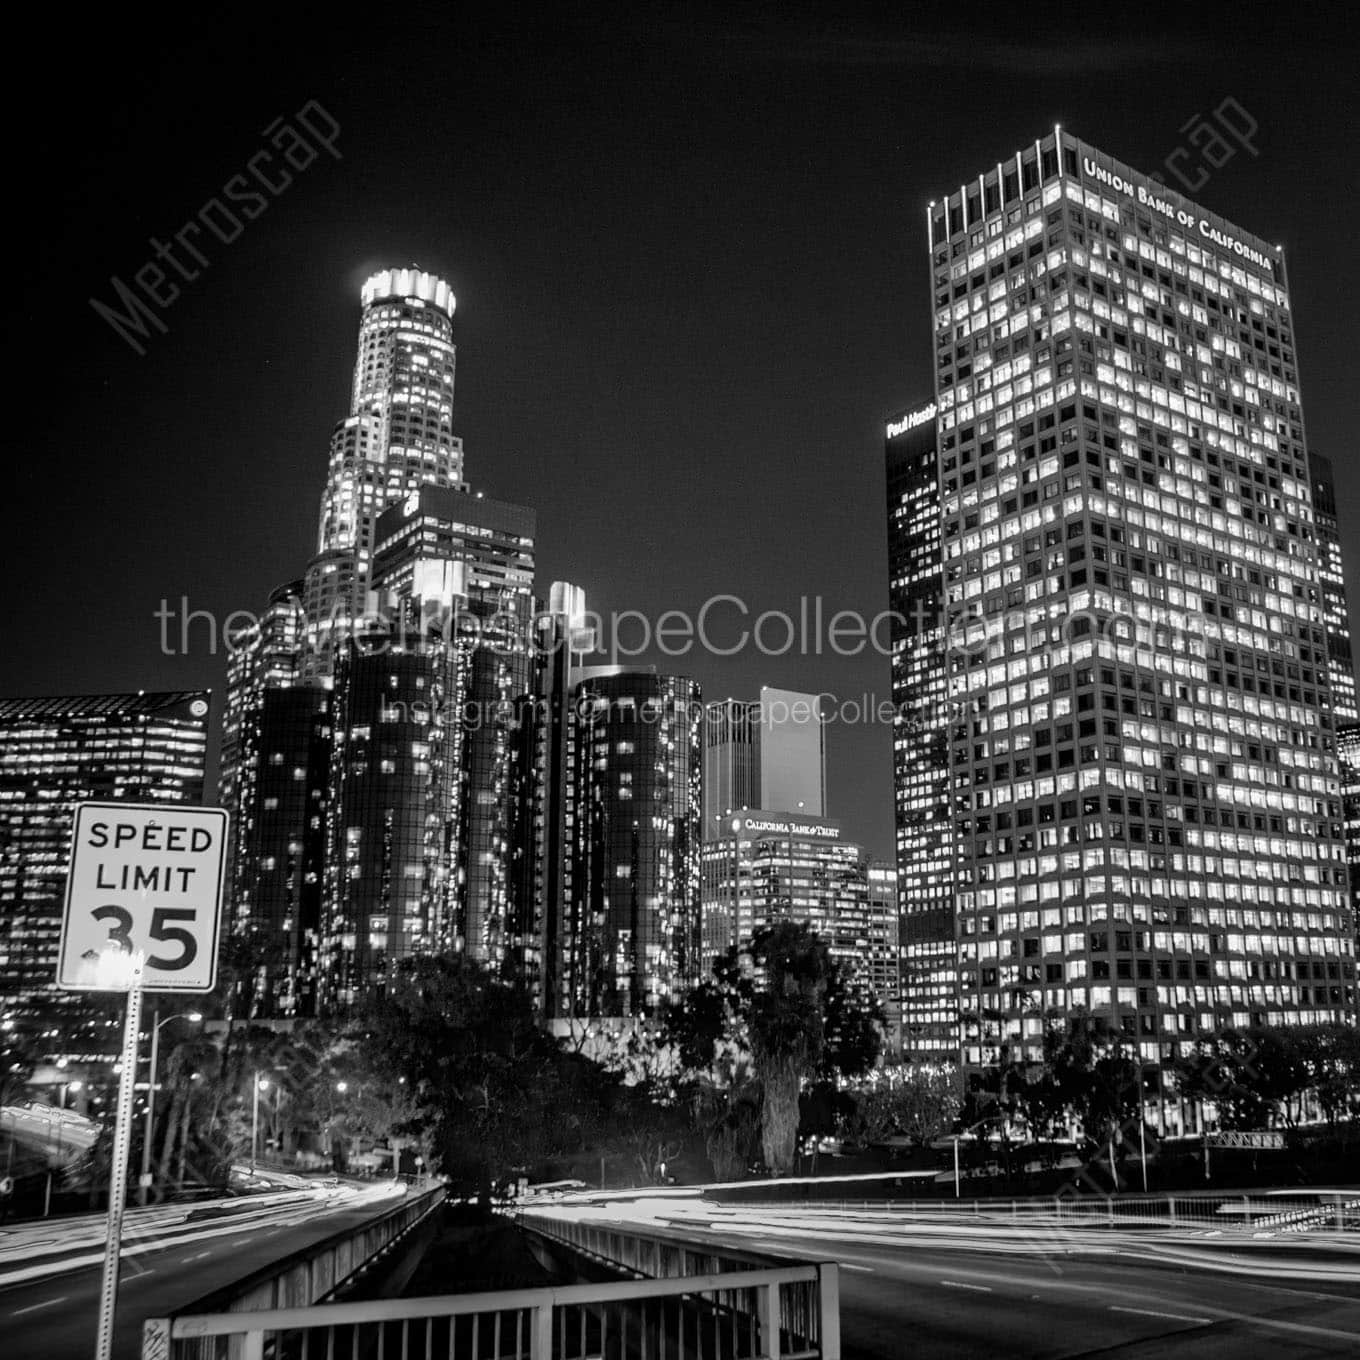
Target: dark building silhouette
631 915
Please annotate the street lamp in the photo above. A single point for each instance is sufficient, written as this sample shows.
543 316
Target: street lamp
260 1084
144 1181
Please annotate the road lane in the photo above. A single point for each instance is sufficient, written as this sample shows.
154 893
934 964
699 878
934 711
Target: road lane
156 1279
902 1295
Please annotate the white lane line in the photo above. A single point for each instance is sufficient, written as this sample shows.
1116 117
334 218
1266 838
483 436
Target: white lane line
1152 1312
850 1265
240 1242
963 1284
33 1307
187 1259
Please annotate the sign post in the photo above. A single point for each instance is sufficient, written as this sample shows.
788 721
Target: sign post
143 896
122 1148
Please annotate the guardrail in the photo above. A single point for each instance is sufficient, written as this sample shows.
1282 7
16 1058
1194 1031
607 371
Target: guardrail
302 1279
737 1315
1320 1209
806 1311
646 1255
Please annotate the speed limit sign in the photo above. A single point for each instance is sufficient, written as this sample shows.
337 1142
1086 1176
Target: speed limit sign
144 880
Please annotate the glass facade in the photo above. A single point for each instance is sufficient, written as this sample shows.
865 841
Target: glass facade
922 777
1147 812
391 887
469 564
731 759
279 832
630 928
1332 583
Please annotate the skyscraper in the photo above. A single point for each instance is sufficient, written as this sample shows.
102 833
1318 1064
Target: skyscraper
630 928
471 560
924 796
764 867
731 759
397 437
373 748
883 953
390 888
792 752
54 754
1147 815
1332 584
546 767
272 779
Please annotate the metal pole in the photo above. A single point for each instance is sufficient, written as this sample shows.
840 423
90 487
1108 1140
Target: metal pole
956 1168
254 1117
1142 1143
144 1182
122 1146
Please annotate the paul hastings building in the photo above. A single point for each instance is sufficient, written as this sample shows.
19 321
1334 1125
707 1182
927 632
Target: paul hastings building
1143 802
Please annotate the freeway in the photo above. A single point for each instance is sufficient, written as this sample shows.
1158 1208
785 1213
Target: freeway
166 1265
956 1289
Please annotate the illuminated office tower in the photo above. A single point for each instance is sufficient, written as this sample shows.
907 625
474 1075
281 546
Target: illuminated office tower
764 867
1332 583
54 754
631 925
277 874
267 874
390 889
261 655
472 560
731 759
883 955
1348 759
923 796
546 773
397 437
1147 810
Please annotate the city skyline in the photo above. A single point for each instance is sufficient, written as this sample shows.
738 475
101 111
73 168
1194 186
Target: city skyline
648 346
683 682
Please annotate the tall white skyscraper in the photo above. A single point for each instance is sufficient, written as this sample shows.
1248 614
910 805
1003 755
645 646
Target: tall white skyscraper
397 437
1146 815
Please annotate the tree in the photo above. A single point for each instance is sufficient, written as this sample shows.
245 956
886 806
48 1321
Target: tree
493 1092
1094 1075
920 1103
1248 1075
782 1006
1330 1057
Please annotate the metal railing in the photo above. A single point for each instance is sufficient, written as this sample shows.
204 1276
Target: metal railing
646 1255
302 1279
1339 1210
735 1315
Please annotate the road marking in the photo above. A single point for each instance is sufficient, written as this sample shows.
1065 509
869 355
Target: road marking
188 1259
963 1284
850 1265
33 1307
142 1274
241 1241
1152 1312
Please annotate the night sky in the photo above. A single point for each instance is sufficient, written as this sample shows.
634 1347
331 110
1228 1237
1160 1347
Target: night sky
690 262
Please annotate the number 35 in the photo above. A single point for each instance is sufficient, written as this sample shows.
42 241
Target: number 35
163 930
